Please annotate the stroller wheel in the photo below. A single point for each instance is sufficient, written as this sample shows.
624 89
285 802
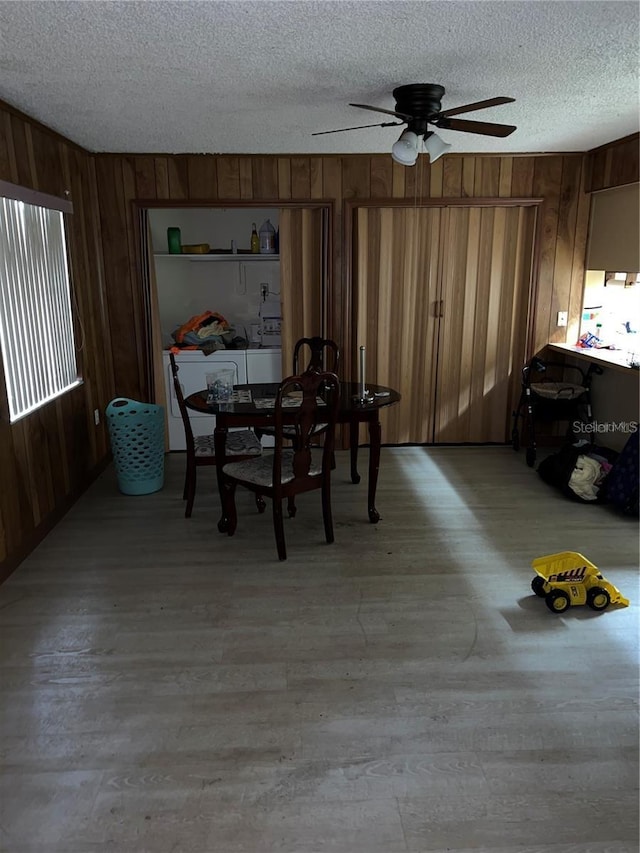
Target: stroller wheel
531 456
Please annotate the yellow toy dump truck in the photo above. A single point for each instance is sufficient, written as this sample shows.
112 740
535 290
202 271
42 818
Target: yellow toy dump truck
569 578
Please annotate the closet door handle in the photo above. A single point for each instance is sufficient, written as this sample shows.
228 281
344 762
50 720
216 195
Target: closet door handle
441 309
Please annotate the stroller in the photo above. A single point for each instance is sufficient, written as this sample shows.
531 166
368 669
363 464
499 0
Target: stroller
551 391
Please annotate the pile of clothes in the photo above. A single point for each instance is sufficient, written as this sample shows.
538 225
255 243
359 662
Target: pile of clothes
207 332
579 470
588 475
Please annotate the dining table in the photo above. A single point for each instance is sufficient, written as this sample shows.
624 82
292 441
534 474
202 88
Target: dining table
253 406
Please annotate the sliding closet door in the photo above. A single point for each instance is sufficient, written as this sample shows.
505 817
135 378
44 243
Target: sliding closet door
303 275
486 273
395 290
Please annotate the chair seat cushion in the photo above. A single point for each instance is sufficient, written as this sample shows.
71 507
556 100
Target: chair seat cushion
260 470
241 442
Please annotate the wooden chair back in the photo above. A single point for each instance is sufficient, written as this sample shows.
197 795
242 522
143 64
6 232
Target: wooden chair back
325 355
200 450
293 470
320 395
181 404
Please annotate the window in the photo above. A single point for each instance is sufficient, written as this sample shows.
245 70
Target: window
611 309
36 323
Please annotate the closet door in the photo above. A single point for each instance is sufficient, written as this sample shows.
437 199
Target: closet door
396 272
486 274
303 275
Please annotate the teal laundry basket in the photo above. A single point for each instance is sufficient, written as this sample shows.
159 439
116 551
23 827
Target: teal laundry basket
136 431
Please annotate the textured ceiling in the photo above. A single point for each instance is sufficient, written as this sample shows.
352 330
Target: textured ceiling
260 77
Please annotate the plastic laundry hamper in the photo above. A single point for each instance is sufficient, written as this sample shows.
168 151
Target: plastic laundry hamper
137 441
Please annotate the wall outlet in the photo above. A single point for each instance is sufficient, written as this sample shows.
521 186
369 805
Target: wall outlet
563 318
96 416
264 290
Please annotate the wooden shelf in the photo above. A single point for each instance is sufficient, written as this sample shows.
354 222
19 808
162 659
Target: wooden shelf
242 259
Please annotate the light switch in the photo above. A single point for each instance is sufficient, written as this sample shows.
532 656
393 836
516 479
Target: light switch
563 317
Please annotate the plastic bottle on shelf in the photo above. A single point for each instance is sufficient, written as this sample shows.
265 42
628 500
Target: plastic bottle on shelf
267 238
255 240
174 241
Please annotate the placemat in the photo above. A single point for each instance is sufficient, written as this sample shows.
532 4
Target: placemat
287 402
243 396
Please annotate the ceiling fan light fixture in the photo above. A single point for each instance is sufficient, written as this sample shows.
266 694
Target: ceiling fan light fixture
435 146
405 151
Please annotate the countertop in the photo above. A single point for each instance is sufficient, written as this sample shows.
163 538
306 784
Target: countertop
615 359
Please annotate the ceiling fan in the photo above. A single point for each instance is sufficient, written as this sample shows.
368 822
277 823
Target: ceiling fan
418 105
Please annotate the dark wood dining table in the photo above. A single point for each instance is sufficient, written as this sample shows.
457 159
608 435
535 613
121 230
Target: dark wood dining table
252 406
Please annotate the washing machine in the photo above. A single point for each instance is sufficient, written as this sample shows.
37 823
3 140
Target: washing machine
193 368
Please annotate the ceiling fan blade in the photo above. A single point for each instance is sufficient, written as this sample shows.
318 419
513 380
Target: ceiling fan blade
380 110
359 127
483 127
478 105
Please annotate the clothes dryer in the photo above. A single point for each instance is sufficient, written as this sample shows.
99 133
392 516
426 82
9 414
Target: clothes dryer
193 368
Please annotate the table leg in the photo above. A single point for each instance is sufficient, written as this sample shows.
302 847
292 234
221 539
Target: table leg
354 429
220 441
375 439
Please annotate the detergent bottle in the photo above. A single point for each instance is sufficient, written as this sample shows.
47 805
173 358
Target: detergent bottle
267 238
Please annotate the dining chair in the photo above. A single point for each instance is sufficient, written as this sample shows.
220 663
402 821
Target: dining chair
240 444
301 402
325 355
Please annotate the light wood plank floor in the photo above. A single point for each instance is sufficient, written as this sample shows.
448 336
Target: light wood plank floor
171 690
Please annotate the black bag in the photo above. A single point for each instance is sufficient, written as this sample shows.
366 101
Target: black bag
621 488
557 469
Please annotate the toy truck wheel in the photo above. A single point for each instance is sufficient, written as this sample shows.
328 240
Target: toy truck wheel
537 585
557 601
598 598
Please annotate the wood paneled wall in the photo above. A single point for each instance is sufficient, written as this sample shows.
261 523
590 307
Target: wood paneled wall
614 165
268 180
50 456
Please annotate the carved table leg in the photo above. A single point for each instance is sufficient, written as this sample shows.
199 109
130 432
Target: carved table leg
375 439
353 442
220 441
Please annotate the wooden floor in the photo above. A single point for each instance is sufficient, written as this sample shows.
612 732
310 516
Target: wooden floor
169 689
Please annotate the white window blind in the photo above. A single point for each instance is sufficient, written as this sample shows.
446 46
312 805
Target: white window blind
36 325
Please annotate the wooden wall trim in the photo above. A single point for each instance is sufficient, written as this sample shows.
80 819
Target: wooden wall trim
470 201
344 156
235 203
